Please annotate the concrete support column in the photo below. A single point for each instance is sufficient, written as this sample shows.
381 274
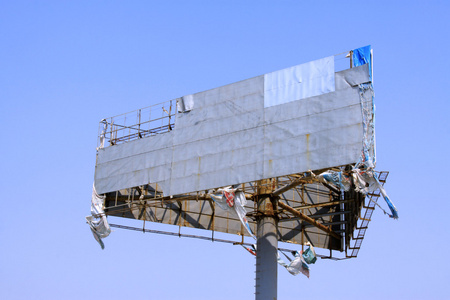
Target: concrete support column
266 252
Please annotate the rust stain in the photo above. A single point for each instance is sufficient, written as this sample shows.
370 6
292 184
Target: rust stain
308 154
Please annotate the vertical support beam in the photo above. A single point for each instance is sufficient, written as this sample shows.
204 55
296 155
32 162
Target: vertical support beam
351 59
266 250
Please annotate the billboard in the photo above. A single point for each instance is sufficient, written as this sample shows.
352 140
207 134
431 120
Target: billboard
303 136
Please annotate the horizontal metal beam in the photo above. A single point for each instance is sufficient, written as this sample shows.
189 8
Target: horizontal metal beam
330 214
207 238
158 198
291 185
308 219
317 216
323 204
330 224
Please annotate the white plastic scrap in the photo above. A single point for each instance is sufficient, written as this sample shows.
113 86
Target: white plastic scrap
185 103
335 178
103 134
234 202
366 181
297 265
366 96
97 221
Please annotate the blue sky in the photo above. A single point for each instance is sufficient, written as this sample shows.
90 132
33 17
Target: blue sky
65 65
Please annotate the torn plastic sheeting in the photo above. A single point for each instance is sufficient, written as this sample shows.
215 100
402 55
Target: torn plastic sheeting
99 228
338 179
229 196
364 177
185 103
103 134
367 182
309 255
368 153
362 56
235 203
391 205
364 180
252 250
97 221
295 266
222 200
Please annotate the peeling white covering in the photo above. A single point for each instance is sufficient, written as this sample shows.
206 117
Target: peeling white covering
300 262
103 134
302 81
185 103
97 221
236 205
363 173
295 266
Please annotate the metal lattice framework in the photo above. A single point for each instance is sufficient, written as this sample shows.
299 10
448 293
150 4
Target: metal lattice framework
305 209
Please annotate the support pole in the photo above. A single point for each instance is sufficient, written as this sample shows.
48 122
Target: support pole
266 250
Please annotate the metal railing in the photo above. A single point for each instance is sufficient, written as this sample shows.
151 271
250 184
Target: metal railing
148 121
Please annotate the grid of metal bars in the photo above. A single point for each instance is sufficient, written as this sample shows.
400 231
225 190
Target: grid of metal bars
366 214
147 121
122 203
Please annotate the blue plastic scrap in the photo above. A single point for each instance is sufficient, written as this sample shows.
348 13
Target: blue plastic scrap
362 56
309 255
338 179
391 205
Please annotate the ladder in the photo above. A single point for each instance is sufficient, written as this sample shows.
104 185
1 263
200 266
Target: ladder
366 212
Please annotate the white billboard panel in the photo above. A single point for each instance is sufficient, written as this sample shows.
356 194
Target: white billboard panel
234 134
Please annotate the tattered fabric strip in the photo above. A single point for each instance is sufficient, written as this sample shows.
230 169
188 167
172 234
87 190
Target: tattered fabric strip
234 202
97 221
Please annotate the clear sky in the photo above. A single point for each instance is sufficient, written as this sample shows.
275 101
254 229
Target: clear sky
65 65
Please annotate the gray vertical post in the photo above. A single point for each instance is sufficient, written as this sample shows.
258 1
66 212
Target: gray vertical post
266 252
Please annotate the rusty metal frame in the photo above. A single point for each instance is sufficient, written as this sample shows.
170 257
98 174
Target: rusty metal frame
294 192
